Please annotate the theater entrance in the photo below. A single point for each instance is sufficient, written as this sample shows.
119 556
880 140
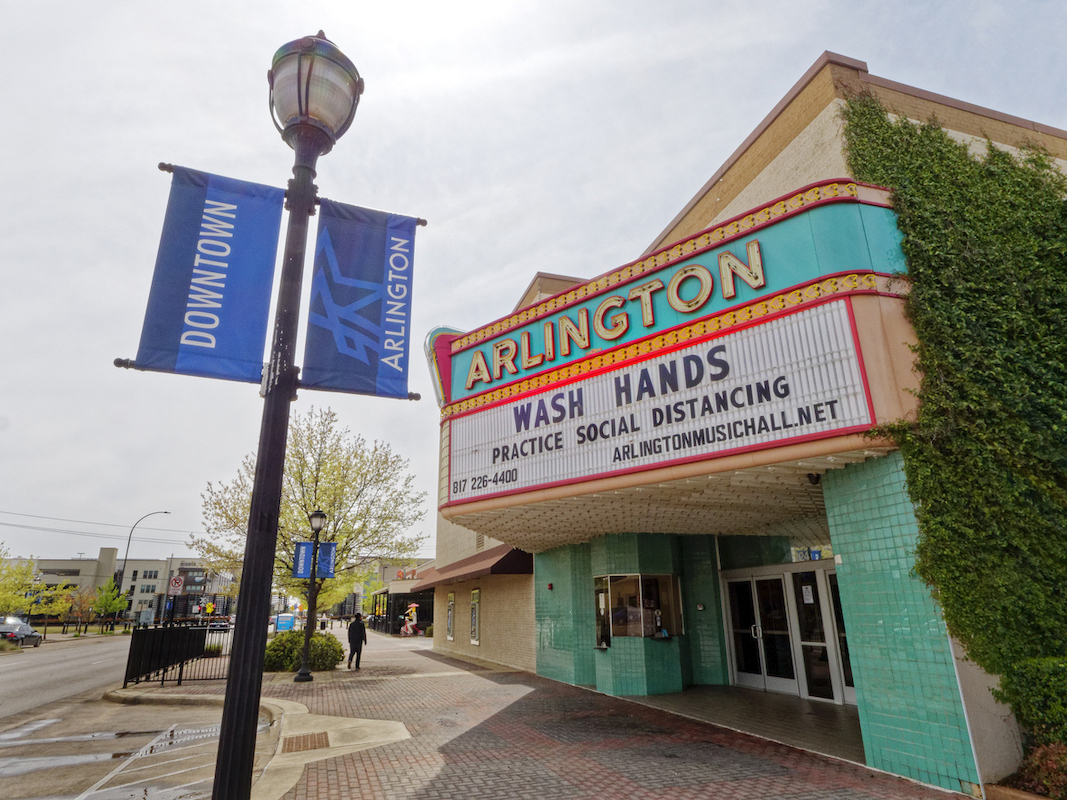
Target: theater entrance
786 631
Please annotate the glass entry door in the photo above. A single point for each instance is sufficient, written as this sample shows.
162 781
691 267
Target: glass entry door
759 621
787 632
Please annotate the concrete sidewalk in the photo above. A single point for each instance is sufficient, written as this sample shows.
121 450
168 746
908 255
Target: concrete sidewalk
414 724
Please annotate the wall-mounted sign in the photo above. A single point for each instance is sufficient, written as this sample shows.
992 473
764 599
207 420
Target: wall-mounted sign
821 231
795 378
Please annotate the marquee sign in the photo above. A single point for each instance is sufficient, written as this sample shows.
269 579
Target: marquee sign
824 230
796 377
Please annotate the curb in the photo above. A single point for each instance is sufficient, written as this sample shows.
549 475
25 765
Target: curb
288 721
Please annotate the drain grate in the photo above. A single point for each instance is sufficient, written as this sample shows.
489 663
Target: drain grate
305 741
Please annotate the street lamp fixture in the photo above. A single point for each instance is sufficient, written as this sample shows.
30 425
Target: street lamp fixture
314 91
317 519
126 558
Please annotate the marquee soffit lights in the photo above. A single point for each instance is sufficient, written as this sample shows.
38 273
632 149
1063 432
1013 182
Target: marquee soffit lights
312 83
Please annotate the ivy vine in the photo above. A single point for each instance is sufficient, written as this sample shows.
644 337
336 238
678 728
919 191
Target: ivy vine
985 239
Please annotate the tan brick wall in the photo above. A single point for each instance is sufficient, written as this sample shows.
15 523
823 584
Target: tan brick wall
507 621
815 154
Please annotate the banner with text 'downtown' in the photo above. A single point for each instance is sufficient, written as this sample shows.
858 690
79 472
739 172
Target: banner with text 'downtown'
359 324
210 297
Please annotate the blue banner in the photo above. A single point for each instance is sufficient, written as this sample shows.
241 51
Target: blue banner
302 559
327 557
207 310
359 330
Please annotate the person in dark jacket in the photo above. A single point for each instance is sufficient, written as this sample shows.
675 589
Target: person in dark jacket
357 637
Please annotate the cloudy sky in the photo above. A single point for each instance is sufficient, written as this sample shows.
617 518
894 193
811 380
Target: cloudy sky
556 135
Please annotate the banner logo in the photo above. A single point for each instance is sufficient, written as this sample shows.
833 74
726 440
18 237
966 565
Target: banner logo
359 332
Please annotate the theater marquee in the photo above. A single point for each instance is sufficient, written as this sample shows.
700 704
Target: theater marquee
740 338
795 378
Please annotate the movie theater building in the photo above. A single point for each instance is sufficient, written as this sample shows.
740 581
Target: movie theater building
682 445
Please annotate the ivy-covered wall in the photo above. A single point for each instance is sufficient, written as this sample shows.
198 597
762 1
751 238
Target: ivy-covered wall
986 460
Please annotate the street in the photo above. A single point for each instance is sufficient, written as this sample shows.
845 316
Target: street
56 670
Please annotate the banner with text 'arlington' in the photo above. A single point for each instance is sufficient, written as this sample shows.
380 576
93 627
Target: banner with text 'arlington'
359 325
210 298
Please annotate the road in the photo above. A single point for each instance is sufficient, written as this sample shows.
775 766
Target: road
56 670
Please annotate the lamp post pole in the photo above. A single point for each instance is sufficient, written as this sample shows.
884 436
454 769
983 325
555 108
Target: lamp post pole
126 558
296 65
317 520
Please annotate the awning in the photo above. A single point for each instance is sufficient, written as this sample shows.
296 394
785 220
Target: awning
500 560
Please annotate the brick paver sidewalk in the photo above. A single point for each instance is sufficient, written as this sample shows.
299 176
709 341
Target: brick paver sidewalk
484 734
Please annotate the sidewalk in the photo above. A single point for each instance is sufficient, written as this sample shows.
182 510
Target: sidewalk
414 724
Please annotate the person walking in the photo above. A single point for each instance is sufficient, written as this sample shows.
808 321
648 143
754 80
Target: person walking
357 637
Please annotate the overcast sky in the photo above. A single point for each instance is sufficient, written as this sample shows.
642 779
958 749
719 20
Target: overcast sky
559 136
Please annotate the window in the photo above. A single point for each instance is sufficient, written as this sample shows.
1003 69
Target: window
148 573
637 605
148 588
476 601
450 623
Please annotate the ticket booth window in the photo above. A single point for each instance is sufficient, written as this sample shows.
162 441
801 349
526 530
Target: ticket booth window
637 605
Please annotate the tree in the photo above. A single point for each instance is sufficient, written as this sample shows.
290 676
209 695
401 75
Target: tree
48 600
108 601
364 489
16 580
81 604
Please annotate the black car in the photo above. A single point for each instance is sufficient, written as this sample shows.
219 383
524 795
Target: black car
19 633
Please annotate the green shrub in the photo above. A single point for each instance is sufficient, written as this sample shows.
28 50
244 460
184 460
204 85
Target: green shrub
1036 690
1043 772
8 646
429 631
285 649
212 650
985 239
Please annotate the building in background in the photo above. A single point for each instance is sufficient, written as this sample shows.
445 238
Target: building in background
79 573
681 444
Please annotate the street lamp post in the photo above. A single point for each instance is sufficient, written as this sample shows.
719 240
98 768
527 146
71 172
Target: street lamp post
126 558
314 91
318 521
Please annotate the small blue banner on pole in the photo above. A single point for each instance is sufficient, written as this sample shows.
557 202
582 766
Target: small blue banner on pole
210 297
302 560
359 330
327 557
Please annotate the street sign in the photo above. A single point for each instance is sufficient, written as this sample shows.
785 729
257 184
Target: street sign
175 585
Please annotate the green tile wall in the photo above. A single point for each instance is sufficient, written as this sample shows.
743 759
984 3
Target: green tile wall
703 653
740 552
911 712
564 615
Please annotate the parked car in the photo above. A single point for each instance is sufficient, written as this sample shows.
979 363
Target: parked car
218 625
20 633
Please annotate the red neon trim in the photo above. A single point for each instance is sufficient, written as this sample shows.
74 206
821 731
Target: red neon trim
859 356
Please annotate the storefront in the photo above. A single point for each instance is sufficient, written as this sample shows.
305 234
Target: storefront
684 444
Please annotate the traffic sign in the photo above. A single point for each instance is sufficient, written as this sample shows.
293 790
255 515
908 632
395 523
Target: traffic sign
175 585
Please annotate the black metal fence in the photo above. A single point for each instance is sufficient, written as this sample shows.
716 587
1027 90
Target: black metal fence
178 652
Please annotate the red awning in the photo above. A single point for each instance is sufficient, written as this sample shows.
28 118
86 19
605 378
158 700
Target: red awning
500 560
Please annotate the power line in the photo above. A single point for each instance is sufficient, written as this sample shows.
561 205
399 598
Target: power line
89 522
64 532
